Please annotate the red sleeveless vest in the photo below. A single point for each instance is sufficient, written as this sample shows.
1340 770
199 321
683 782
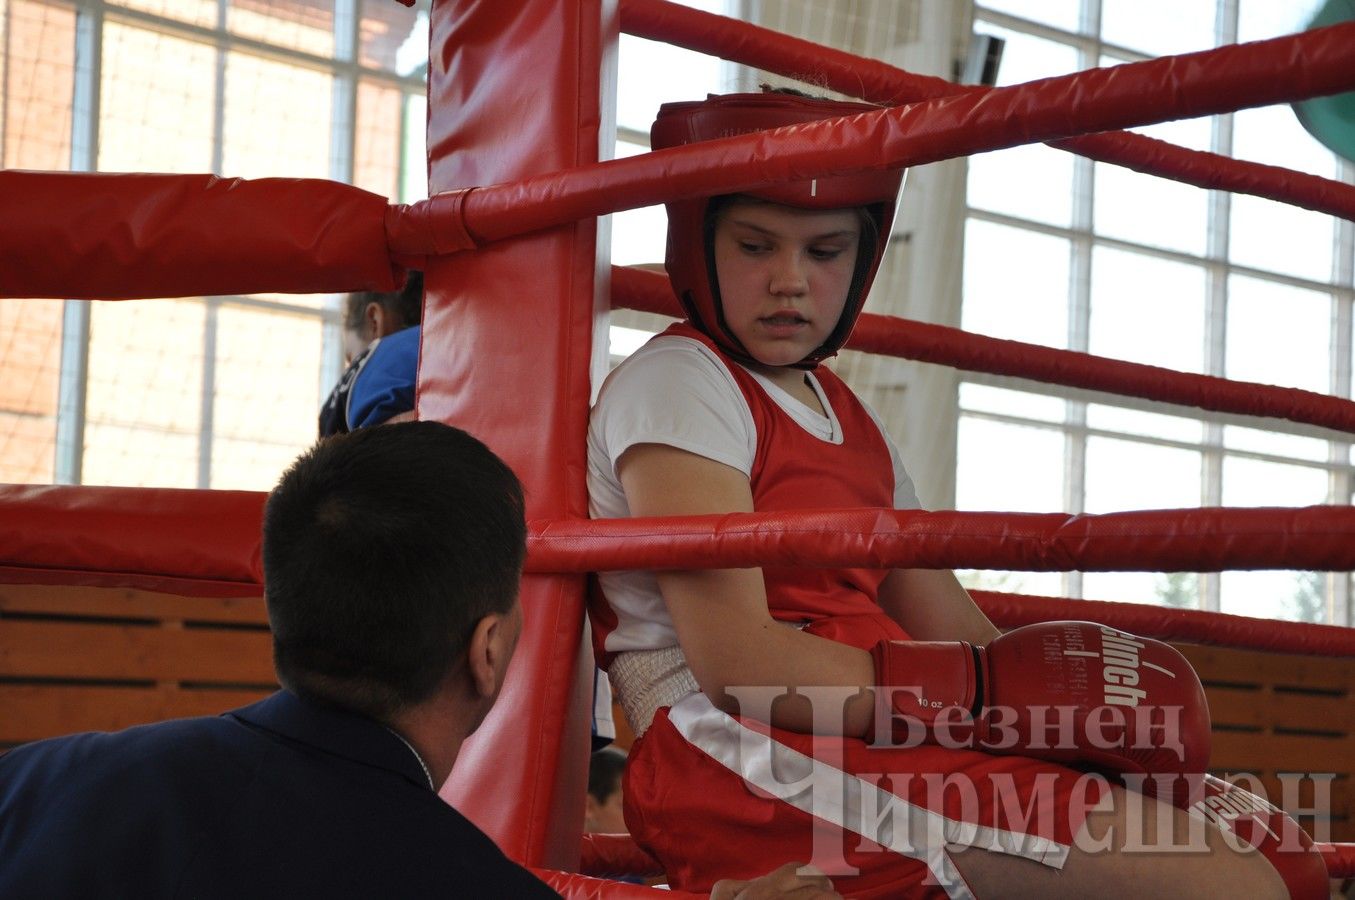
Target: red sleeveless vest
793 469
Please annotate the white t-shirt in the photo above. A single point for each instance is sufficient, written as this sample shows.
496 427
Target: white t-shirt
676 391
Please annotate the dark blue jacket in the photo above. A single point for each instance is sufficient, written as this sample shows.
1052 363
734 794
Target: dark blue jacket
283 798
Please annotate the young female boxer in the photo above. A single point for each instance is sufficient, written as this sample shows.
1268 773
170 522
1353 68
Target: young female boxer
730 411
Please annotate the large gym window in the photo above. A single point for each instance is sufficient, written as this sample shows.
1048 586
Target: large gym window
1069 253
217 392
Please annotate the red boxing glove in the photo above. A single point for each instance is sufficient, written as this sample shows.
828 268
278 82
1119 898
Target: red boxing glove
1249 820
1071 692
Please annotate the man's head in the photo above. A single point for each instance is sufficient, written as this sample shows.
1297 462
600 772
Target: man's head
388 553
369 315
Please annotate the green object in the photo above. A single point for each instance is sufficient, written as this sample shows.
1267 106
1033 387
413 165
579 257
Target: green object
1331 119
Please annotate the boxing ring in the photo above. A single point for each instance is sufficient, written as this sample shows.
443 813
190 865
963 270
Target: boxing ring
515 274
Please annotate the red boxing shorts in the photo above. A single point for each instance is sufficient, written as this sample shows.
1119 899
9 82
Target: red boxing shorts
713 796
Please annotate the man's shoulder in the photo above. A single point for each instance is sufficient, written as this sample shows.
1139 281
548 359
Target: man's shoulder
218 804
145 736
154 748
409 842
475 861
138 794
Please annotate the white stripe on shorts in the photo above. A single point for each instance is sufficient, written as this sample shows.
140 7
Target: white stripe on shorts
851 803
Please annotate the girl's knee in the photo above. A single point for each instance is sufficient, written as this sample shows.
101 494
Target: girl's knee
1153 845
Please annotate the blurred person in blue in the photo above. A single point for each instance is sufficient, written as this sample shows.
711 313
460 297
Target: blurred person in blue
381 351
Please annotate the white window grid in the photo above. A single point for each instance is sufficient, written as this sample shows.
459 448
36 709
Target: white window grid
1082 239
346 70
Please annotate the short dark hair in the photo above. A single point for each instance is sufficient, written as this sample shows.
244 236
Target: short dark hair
406 304
382 549
604 772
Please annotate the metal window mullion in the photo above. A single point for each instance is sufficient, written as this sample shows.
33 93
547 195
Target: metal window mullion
1215 335
1338 452
72 392
1075 411
207 414
73 378
402 152
1216 307
1079 300
730 72
1338 607
342 162
1340 604
207 391
219 93
345 96
6 54
1090 21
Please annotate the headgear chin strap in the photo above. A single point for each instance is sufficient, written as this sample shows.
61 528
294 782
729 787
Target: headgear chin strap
690 261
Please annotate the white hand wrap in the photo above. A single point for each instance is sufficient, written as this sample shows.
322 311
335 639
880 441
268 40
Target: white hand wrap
647 680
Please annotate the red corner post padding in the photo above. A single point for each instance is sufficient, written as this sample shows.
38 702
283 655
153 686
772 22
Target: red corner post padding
95 236
514 91
187 542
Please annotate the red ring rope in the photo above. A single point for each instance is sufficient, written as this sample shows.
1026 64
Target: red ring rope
167 256
1315 62
925 342
1175 540
1170 624
792 57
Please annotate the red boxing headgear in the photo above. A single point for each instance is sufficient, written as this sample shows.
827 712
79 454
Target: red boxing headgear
690 261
